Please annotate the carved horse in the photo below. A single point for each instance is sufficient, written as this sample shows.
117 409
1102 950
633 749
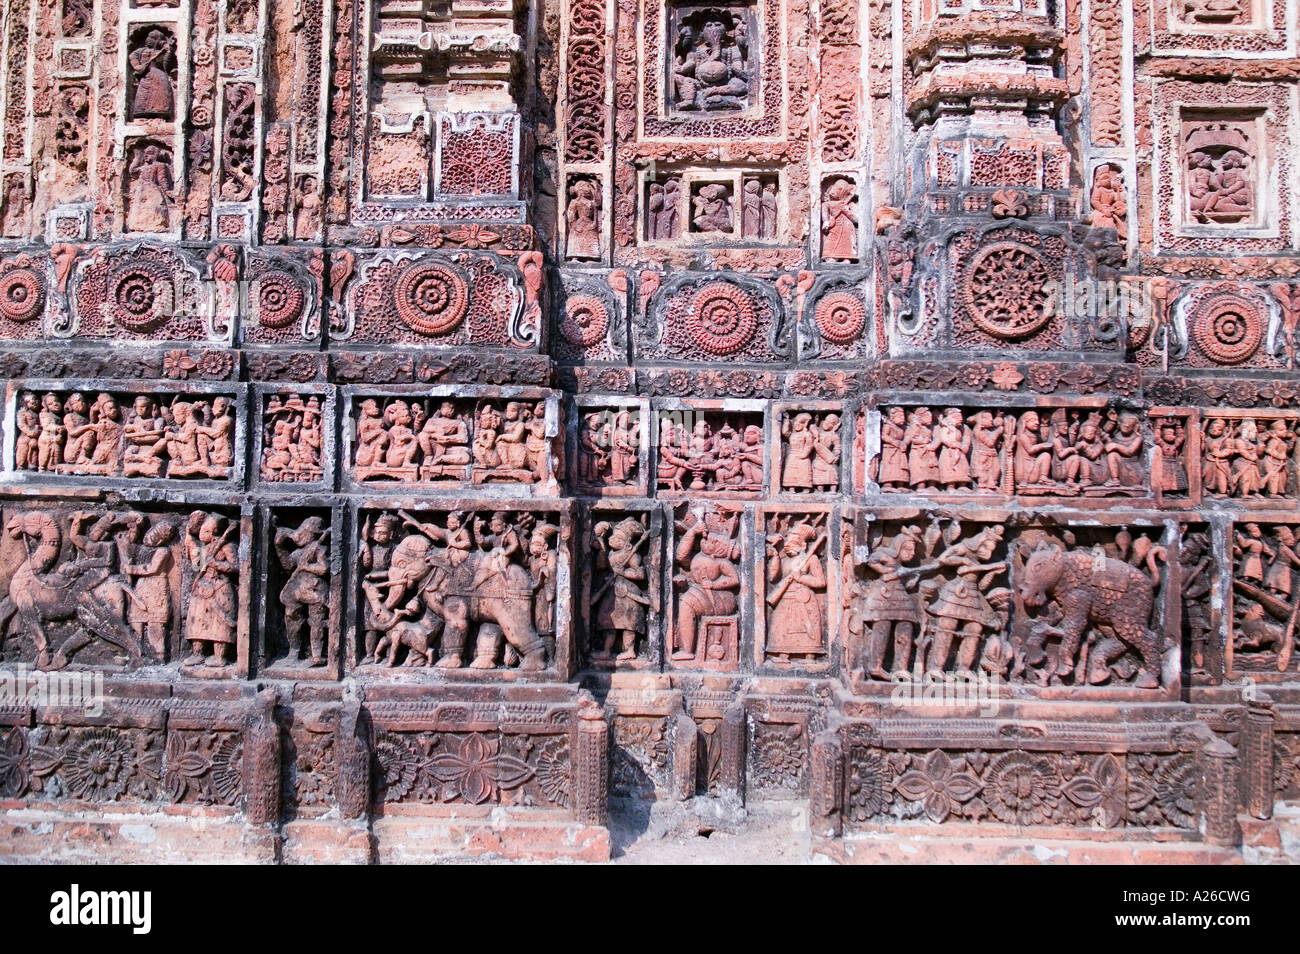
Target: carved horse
41 593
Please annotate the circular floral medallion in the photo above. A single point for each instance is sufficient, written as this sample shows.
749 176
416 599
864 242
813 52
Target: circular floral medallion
141 295
280 299
840 317
1228 329
97 766
721 319
585 320
1007 292
22 294
432 299
1022 789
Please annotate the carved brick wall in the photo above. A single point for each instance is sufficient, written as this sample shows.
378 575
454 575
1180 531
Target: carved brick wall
405 361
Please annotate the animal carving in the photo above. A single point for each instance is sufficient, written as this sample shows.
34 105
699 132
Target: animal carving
1092 589
44 592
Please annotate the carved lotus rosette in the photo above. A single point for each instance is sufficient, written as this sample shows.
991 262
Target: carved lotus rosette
461 298
144 293
1226 324
283 301
23 290
588 323
722 319
1007 291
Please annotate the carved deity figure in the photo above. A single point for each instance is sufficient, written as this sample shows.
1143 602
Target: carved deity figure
152 192
711 208
707 556
709 70
1169 473
1220 181
444 441
1109 206
582 239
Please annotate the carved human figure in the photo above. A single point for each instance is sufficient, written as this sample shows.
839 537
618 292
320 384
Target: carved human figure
152 191
542 566
751 209
672 461
210 610
151 65
399 458
372 436
49 445
1170 475
444 441
1124 451
987 433
666 222
767 229
1252 550
80 435
895 472
537 445
800 446
1033 456
962 607
711 580
840 221
27 441
144 433
216 438
1278 443
582 238
147 561
887 607
711 208
625 447
623 596
826 455
1246 478
953 439
795 579
922 458
593 449
307 209
379 601
750 457
304 555
1109 206
1216 476
1286 560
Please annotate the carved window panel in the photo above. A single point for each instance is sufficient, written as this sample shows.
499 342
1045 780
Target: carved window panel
474 589
1250 456
712 71
702 449
440 440
112 433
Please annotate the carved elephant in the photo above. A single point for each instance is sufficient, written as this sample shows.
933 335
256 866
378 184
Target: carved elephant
1097 590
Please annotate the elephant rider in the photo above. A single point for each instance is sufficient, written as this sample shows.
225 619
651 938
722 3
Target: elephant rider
961 604
712 585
